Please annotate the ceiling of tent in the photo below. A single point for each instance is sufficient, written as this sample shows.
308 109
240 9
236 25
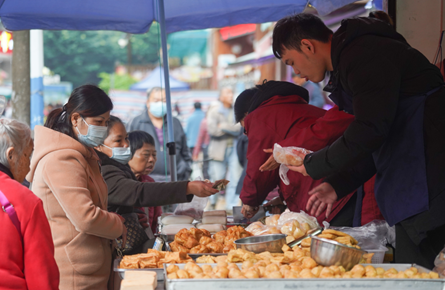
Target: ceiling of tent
136 16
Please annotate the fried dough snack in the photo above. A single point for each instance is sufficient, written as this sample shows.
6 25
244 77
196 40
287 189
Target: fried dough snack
199 240
153 259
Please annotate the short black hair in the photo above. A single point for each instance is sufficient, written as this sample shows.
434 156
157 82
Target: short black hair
138 138
243 103
197 105
290 30
113 120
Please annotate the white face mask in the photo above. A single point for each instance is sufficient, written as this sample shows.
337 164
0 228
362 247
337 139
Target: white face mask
120 154
94 137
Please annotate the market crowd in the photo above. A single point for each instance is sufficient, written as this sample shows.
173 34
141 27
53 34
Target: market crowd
377 153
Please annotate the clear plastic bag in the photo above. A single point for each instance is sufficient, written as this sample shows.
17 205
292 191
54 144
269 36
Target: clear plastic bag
370 236
301 217
258 229
194 209
287 156
440 263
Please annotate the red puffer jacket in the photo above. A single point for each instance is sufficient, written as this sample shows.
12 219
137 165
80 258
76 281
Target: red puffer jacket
290 121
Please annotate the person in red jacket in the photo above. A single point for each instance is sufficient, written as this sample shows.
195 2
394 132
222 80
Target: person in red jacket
271 113
26 246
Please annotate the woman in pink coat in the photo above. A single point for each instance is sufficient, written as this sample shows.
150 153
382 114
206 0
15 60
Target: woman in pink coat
26 247
65 174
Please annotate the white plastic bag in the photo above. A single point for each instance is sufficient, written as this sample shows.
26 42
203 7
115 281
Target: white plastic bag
440 263
301 217
286 156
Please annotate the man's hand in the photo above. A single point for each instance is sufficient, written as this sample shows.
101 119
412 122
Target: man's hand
201 189
249 211
143 220
276 204
322 196
270 164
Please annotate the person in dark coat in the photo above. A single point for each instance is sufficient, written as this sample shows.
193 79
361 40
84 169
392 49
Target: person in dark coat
153 121
397 98
125 192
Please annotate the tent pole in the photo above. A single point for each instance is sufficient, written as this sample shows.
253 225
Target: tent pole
171 140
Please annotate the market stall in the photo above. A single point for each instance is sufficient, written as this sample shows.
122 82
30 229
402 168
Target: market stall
289 251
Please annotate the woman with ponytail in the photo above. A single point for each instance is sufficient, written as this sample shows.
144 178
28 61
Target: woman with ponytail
65 174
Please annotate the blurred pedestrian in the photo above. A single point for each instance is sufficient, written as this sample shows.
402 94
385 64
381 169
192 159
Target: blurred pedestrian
26 245
153 121
202 144
315 92
192 127
223 132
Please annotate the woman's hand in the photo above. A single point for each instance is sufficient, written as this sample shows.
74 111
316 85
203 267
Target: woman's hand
200 188
322 196
249 211
300 169
143 220
270 164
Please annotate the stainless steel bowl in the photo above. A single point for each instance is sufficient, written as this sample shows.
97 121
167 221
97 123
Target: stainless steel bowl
328 253
259 244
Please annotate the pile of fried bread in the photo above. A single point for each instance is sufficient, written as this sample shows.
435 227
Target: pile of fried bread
197 241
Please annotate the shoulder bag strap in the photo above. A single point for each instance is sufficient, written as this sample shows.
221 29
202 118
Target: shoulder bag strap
9 209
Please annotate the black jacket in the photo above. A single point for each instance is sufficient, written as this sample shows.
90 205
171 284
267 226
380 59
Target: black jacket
183 158
125 192
377 67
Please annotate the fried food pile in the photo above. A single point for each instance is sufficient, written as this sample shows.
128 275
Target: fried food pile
340 237
333 235
153 259
196 241
291 264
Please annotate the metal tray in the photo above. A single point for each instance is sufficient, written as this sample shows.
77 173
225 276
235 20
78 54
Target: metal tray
310 284
159 271
196 256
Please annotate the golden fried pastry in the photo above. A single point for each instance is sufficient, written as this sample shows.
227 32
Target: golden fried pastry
172 276
328 236
308 263
206 233
172 269
174 246
206 259
148 262
199 249
196 233
215 247
129 262
306 273
181 237
306 242
220 236
161 254
182 274
358 271
190 242
207 268
175 257
205 240
228 248
183 249
326 273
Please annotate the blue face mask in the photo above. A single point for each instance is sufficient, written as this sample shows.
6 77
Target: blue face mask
120 154
158 109
94 137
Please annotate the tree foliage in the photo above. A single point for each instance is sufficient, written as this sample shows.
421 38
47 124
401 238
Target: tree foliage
80 56
115 81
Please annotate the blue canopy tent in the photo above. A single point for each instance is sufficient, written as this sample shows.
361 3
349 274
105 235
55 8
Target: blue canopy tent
136 16
155 79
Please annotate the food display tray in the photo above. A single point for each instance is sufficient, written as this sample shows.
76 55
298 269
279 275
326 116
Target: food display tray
196 256
159 271
310 284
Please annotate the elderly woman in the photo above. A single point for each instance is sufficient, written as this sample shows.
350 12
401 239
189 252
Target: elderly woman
26 245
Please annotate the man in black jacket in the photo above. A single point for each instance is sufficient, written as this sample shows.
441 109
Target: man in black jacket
397 98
